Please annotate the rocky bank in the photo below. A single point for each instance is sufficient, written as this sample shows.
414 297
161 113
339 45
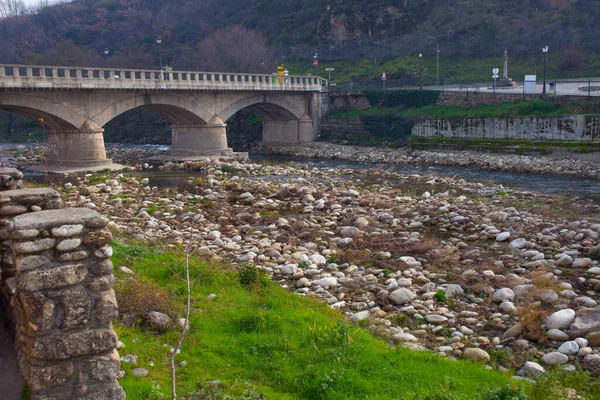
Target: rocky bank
462 269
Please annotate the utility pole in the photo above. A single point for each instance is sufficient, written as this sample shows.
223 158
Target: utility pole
437 64
420 71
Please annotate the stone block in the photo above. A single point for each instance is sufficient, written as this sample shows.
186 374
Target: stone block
49 219
53 278
107 307
26 234
33 246
67 230
101 283
76 307
103 368
10 211
51 376
39 311
68 244
98 222
73 256
101 268
65 345
104 252
31 262
97 238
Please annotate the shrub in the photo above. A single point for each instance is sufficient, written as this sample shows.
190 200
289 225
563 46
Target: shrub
391 126
440 296
402 98
251 275
505 393
137 297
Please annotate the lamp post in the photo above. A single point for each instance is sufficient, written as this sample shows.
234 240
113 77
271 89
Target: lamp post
437 64
545 51
158 42
329 76
106 54
420 71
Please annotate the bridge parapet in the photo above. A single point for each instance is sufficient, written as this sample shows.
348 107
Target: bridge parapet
27 77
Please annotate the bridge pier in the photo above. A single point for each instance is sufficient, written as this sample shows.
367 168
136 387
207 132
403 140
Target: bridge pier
82 148
199 140
286 132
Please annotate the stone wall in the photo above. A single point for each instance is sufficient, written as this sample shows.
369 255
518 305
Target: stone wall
342 128
12 204
572 128
347 101
65 305
471 99
57 294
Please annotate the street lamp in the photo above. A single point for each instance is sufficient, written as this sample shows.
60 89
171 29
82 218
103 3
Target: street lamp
158 42
545 51
106 54
420 71
329 74
437 64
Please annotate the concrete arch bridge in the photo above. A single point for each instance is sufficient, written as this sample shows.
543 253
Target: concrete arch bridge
76 103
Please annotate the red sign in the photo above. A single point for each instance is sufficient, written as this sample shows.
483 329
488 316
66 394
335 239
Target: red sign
315 63
383 76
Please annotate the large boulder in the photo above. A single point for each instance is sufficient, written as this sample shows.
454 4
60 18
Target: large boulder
586 321
160 322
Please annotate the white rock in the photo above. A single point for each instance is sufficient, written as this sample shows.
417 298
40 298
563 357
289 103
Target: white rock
582 262
361 222
404 337
359 316
327 282
564 260
504 294
570 347
531 369
517 244
555 358
558 335
402 296
501 237
560 319
435 319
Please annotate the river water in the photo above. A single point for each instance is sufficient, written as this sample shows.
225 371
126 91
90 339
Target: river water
547 184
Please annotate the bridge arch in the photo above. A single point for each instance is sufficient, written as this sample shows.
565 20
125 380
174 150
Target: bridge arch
177 109
267 106
56 116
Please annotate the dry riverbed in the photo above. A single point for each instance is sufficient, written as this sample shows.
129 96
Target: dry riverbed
462 269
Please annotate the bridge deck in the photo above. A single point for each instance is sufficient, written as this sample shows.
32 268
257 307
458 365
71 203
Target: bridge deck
27 77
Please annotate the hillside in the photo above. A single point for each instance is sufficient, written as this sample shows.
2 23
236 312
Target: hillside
336 29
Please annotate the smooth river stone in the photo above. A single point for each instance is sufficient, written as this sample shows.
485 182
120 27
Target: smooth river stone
68 244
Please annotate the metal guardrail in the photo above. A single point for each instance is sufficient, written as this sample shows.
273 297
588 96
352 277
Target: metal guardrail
28 77
564 87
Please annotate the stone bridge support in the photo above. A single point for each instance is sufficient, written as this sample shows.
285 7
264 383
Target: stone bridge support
199 140
77 149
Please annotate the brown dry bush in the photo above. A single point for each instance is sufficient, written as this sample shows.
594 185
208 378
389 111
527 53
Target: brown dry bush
532 316
137 297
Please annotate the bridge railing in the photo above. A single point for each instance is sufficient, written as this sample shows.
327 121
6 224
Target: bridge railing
27 77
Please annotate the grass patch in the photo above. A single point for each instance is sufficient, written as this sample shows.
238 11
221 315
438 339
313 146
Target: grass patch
258 341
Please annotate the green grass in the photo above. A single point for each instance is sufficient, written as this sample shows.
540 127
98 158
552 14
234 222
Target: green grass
452 70
262 342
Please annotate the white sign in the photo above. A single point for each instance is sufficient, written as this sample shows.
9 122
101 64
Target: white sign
496 71
529 84
383 76
495 76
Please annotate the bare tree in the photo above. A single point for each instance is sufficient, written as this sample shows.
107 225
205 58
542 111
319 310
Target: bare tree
12 8
187 316
235 49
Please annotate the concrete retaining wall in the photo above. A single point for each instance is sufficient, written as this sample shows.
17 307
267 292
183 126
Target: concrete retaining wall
572 128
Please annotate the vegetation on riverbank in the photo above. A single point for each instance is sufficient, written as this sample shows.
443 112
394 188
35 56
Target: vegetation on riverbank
256 341
539 108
